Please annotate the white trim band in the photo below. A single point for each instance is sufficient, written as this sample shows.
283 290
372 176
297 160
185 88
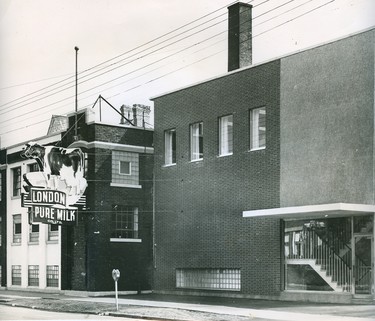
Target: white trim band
333 209
112 146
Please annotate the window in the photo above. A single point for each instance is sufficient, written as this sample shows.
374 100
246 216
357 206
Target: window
212 279
125 168
33 168
16 274
196 141
53 276
226 135
34 233
170 147
17 228
258 128
33 275
124 222
16 175
53 232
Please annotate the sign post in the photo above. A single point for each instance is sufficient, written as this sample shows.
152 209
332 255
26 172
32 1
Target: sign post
116 276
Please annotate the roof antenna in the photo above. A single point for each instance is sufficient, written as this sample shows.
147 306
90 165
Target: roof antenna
76 102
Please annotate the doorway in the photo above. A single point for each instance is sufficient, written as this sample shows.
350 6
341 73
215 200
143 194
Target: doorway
363 263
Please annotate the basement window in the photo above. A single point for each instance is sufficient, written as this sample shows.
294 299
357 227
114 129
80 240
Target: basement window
209 279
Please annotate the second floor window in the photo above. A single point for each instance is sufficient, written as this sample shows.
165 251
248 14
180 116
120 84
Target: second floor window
226 135
258 128
53 232
17 228
170 146
34 233
16 181
196 141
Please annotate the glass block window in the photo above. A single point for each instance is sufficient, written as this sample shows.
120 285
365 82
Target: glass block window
16 181
33 275
125 168
17 228
258 128
16 274
170 147
226 135
53 232
52 276
210 279
196 141
124 222
34 233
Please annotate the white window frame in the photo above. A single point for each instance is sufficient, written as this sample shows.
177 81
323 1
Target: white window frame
14 187
119 167
135 228
226 135
256 128
17 237
53 236
196 141
170 157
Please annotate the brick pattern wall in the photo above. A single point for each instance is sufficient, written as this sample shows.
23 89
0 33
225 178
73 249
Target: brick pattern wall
94 256
199 205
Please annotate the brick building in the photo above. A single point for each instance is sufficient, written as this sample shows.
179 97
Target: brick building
113 228
264 181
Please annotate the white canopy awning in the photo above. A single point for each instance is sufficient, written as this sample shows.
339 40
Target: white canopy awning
312 211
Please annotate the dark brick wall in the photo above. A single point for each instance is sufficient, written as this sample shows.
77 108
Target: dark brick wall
199 205
94 255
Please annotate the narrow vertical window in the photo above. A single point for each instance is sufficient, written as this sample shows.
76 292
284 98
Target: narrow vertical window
226 135
33 275
52 276
170 147
16 181
17 228
196 141
258 128
34 233
16 274
53 232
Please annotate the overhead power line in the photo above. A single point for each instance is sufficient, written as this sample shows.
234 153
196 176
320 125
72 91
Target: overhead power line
164 75
127 52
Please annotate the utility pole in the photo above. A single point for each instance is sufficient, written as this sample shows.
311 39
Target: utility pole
76 102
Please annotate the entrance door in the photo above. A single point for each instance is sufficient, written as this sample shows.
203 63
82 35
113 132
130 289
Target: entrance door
363 261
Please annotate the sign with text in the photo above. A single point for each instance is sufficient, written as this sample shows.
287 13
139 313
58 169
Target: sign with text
57 188
49 207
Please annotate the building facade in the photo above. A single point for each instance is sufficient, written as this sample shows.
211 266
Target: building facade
115 232
113 227
264 177
33 250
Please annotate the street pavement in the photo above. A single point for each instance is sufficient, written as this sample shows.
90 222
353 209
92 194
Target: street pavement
188 308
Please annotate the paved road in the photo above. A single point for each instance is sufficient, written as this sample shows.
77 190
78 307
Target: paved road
16 313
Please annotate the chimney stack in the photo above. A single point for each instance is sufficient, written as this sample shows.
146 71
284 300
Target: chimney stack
239 35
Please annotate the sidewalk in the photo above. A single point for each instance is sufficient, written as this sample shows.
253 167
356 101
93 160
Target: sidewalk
189 308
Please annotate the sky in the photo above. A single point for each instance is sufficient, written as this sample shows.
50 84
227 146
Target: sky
131 50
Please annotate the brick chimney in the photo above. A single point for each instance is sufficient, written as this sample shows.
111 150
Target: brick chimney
239 35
